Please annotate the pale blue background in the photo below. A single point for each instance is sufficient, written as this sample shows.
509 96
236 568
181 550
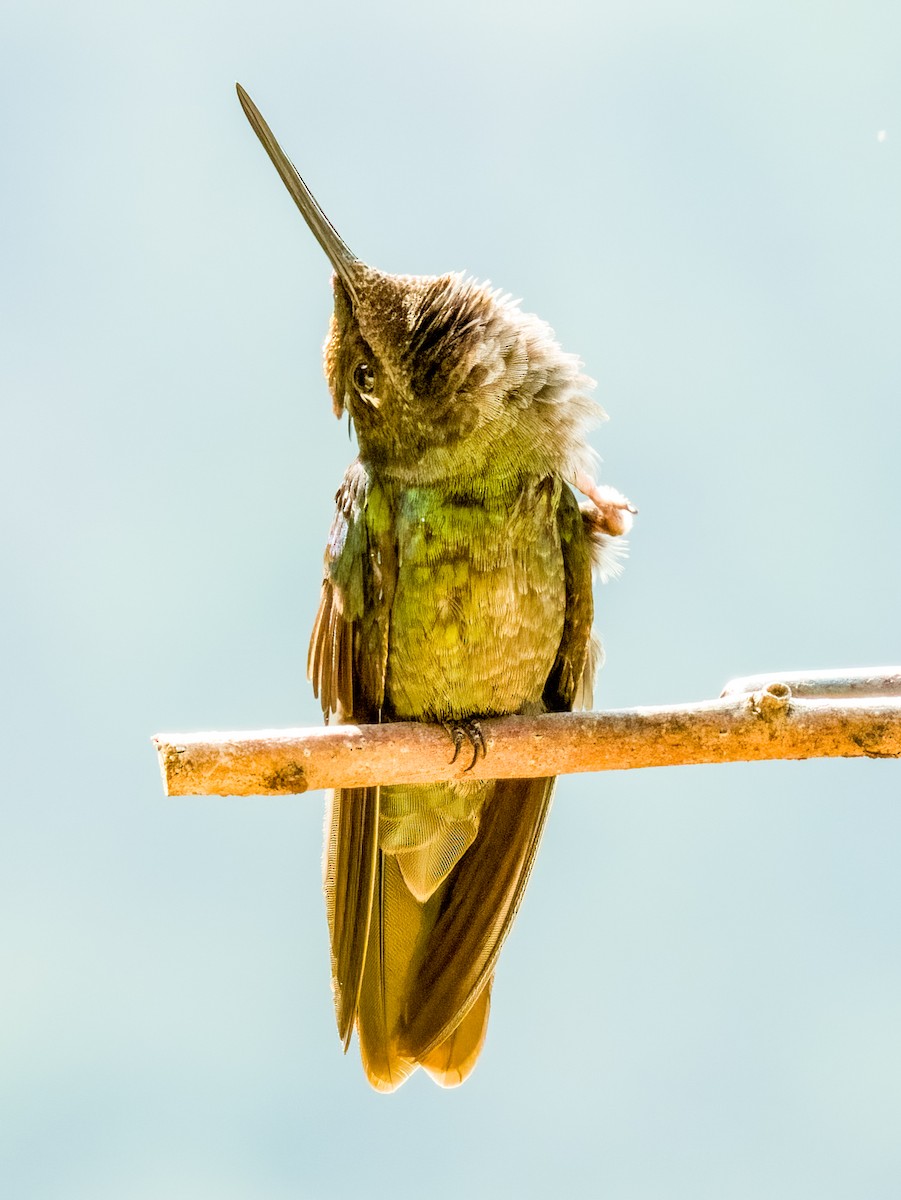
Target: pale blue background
702 998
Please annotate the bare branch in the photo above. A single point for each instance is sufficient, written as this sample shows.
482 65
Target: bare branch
854 681
766 724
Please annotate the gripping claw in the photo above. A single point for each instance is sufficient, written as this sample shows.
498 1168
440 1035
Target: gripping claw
467 731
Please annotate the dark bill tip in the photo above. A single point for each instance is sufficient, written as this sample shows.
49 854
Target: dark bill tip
339 254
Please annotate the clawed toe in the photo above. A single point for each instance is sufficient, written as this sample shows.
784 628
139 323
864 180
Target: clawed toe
467 731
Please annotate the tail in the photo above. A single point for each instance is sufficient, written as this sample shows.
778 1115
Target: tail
420 990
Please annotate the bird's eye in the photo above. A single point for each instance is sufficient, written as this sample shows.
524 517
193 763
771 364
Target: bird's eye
364 378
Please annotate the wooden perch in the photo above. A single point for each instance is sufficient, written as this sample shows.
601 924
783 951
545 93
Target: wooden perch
835 714
856 681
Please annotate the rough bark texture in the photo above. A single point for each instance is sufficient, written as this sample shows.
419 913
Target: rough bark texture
742 726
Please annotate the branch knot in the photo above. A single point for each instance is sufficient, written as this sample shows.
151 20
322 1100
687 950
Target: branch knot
772 702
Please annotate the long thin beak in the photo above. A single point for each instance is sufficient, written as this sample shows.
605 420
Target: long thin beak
339 255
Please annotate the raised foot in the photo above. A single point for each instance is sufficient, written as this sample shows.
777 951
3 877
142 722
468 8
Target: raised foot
467 731
608 510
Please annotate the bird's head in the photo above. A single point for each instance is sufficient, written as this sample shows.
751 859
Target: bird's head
445 379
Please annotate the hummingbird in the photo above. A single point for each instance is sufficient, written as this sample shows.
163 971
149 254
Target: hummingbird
457 586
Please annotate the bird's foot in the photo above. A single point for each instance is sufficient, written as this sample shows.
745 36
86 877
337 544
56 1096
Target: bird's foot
608 510
467 731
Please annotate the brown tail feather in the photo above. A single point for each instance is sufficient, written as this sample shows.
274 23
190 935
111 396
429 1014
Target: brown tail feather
479 902
394 935
452 1060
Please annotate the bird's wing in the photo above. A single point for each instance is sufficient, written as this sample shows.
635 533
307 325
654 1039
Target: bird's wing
570 682
347 663
349 644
